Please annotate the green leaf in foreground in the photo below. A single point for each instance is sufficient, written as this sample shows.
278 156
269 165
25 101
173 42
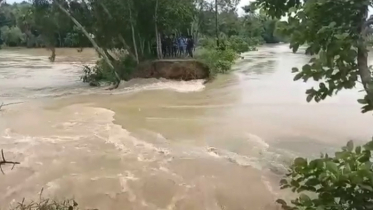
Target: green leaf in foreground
348 173
350 146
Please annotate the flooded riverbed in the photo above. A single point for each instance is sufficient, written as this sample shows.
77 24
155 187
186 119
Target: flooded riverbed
158 144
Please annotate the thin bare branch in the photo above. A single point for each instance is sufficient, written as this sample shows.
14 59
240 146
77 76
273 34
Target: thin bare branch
3 161
3 104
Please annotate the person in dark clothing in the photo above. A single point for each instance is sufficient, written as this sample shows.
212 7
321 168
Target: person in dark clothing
169 46
174 45
164 47
190 46
154 49
180 43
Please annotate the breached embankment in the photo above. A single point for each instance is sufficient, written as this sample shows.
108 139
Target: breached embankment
173 69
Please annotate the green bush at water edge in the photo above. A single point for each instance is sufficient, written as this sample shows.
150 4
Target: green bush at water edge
102 73
220 61
342 182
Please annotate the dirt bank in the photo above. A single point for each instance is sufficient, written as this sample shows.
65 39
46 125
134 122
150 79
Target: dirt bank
173 69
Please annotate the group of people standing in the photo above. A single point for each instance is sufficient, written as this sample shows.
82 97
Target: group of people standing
173 46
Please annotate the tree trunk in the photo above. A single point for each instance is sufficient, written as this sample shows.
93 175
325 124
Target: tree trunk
52 58
60 39
133 33
159 48
216 23
362 59
134 44
108 54
142 44
97 48
150 47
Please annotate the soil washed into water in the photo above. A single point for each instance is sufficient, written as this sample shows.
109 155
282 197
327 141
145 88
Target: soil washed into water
159 144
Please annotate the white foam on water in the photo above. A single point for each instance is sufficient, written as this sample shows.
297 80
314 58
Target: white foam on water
233 157
259 150
7 133
123 180
262 157
217 106
136 85
33 140
52 186
127 144
266 160
122 139
268 185
258 142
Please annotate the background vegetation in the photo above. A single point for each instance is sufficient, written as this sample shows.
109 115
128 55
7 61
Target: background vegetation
38 23
134 27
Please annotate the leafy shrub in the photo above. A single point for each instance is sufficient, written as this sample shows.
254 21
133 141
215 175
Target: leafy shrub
125 67
101 72
219 61
342 182
12 36
208 43
71 40
254 42
239 44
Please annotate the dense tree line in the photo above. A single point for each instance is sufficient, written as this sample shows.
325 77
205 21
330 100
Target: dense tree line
42 24
20 26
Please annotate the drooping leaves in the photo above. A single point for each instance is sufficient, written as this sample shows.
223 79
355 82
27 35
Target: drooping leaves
341 182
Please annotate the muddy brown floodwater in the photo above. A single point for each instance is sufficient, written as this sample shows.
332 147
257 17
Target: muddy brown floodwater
158 144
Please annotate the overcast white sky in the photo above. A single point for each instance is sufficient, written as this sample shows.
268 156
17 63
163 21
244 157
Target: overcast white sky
243 3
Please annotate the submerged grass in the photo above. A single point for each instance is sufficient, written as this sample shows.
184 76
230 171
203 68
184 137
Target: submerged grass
46 204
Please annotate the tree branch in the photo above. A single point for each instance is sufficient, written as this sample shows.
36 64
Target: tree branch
97 48
362 58
4 162
3 104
